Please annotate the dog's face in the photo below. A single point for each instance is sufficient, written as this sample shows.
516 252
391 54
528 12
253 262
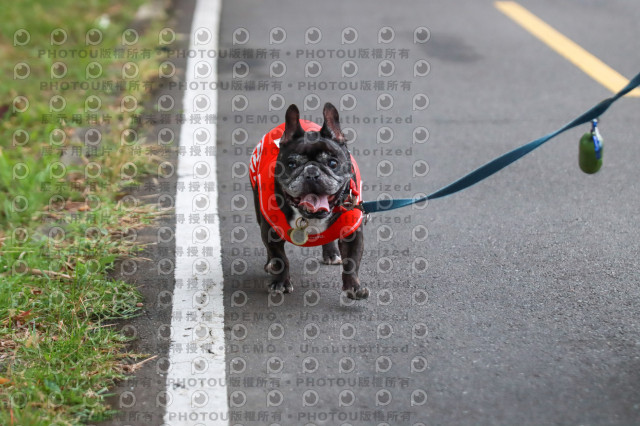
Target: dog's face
313 169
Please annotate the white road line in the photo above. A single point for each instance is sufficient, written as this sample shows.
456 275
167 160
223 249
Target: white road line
196 382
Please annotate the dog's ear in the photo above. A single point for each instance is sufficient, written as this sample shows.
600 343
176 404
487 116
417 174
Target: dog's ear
331 127
292 127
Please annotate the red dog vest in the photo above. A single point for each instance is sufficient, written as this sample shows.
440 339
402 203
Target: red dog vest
262 175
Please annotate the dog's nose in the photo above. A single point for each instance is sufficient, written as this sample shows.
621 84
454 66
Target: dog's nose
311 172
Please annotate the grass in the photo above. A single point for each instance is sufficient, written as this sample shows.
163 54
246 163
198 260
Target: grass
62 226
57 351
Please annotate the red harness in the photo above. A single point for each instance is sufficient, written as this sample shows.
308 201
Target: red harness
262 172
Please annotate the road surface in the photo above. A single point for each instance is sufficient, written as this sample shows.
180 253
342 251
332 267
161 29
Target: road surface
513 302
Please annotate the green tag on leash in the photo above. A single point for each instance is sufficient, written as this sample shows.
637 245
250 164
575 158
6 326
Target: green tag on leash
590 153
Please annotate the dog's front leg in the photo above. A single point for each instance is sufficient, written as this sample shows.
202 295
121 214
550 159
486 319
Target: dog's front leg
277 262
351 251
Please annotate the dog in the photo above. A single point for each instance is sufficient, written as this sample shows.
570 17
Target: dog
306 190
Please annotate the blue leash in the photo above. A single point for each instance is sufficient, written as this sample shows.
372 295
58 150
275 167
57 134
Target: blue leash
501 162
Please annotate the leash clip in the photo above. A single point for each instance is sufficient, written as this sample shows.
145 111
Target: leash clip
349 204
348 201
596 137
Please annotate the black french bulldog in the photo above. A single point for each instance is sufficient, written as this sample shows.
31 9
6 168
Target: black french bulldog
312 183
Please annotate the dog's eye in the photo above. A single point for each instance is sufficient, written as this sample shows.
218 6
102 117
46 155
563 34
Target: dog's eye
291 164
332 164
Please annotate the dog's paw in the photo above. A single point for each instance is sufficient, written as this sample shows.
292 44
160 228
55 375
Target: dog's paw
332 259
276 287
274 266
357 294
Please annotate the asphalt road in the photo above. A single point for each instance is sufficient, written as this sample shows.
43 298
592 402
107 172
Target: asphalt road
531 308
513 302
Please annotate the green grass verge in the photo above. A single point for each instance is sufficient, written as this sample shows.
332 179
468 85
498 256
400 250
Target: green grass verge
61 228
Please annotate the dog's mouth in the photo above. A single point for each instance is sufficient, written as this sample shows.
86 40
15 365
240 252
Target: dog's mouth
316 206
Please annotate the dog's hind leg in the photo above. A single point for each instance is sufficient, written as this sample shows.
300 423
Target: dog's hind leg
331 254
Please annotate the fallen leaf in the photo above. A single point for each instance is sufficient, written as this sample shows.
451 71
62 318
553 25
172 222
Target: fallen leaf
76 206
22 316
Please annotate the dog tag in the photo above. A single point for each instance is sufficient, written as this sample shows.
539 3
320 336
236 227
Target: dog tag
298 235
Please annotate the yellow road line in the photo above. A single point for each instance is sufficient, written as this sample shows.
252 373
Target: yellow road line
592 66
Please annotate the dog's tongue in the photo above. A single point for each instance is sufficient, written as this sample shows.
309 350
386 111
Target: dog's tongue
314 203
